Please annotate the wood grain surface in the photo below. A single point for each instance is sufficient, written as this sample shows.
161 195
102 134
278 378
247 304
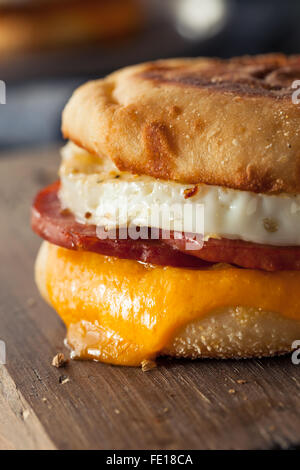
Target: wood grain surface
179 405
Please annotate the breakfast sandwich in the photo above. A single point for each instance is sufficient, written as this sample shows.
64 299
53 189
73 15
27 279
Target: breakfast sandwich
219 135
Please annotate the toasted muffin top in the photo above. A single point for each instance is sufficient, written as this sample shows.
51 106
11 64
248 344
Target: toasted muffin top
230 122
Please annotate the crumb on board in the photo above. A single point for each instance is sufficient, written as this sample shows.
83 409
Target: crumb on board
63 379
44 399
231 391
59 360
25 414
241 381
148 365
117 411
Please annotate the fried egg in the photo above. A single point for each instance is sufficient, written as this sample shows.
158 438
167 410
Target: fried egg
96 192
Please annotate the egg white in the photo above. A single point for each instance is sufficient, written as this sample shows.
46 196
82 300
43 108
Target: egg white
98 193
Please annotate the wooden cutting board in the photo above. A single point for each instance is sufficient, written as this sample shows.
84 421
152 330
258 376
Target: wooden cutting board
179 405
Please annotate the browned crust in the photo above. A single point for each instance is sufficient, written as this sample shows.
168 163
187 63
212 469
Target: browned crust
269 76
229 123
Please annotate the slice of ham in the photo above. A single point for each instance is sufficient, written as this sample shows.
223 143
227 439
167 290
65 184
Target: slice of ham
243 254
60 228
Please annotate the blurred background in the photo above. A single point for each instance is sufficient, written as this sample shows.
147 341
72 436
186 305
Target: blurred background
49 47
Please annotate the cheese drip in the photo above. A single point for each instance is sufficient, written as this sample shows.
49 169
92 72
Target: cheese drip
123 312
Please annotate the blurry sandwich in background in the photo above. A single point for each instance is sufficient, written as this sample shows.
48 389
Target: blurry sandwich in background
38 24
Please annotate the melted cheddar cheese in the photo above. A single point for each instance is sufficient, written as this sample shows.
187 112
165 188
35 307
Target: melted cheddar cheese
123 312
